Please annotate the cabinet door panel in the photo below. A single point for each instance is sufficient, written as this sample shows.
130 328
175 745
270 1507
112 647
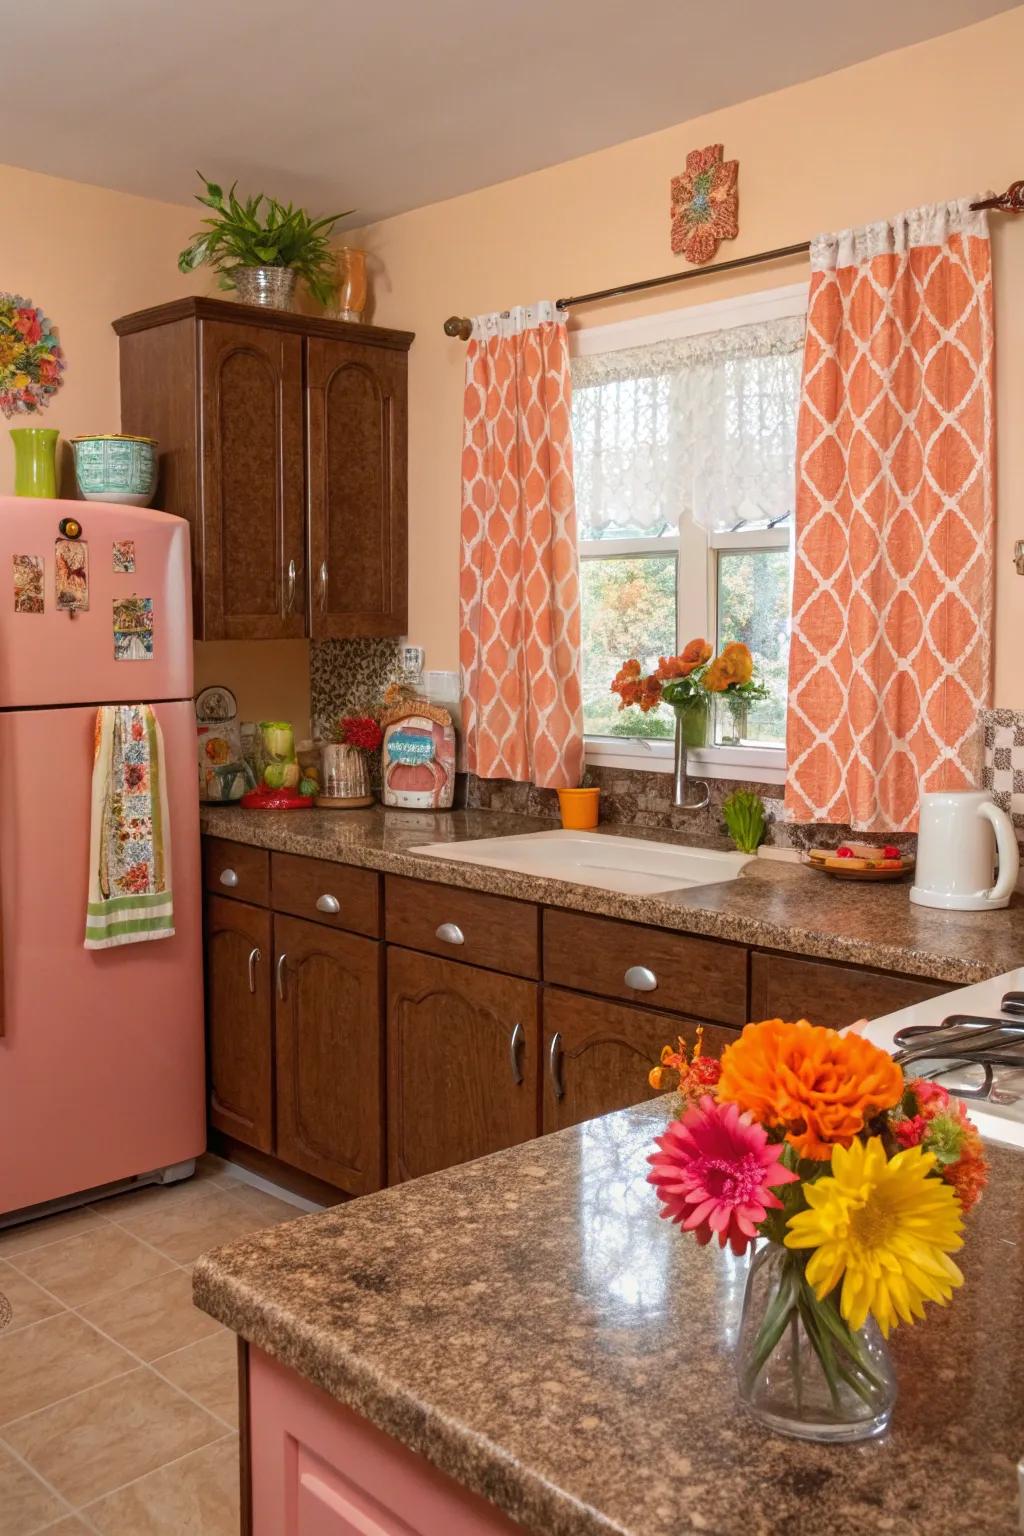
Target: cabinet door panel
253 483
597 1055
357 489
329 1054
788 987
239 1025
462 1063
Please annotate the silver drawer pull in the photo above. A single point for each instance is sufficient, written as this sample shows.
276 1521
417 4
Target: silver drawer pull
328 904
450 933
555 1065
515 1040
641 979
282 961
228 877
254 959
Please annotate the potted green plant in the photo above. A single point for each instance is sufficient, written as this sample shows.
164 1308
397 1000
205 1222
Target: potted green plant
260 246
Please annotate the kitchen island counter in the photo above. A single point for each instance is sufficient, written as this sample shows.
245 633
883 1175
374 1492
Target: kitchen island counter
774 905
530 1326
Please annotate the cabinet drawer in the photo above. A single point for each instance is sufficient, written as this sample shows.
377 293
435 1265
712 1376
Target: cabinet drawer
491 931
701 977
237 870
335 894
786 987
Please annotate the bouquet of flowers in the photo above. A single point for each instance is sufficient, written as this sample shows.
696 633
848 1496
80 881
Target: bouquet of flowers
858 1180
694 672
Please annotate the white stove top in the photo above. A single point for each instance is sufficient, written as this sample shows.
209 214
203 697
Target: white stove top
1002 1118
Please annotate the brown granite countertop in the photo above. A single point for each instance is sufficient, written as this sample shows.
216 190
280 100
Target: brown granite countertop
530 1325
774 905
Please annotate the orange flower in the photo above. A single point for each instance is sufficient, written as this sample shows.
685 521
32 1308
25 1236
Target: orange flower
695 653
741 662
733 665
820 1087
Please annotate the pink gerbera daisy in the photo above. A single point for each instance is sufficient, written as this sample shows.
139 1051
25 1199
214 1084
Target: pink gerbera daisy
715 1171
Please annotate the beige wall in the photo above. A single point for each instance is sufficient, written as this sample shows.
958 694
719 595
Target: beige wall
88 255
928 123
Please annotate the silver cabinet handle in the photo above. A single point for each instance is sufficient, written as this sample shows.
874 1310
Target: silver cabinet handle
282 961
323 585
328 903
254 959
515 1040
641 979
450 933
289 602
228 877
555 1065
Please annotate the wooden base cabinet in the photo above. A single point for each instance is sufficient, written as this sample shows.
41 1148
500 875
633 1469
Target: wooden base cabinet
330 1068
597 1054
239 1021
462 1063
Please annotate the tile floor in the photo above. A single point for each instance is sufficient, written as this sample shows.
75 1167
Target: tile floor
118 1405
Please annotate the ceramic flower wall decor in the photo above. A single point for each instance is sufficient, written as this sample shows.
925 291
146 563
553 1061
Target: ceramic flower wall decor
31 359
705 204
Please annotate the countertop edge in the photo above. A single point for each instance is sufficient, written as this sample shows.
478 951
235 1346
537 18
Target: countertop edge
699 921
460 1452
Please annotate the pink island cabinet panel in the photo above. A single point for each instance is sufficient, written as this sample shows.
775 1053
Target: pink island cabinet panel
318 1469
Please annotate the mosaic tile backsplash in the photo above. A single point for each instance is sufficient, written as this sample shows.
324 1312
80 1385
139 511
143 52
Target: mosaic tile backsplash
639 798
1003 772
348 677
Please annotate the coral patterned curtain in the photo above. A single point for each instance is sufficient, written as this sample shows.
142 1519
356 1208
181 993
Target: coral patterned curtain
890 658
519 597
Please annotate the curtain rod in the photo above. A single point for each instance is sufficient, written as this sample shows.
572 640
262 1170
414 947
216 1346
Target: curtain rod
461 326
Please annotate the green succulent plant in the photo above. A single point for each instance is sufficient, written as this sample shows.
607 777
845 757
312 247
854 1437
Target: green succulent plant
261 232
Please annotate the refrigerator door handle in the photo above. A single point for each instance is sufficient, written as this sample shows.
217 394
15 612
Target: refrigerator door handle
254 959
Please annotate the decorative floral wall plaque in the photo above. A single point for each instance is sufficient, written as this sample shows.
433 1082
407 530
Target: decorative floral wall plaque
31 359
705 204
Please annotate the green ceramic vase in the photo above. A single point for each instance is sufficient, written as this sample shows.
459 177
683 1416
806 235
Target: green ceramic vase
35 461
694 716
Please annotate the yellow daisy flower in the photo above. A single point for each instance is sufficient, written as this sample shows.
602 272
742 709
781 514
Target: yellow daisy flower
883 1227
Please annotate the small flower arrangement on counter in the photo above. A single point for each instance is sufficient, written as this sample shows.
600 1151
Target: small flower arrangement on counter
687 683
850 1183
351 741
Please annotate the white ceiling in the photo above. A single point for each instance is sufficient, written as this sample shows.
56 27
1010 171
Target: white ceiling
384 105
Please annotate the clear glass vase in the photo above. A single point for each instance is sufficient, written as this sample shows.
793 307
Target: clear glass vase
802 1371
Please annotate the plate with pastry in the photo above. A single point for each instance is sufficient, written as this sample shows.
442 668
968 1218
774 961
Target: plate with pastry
862 861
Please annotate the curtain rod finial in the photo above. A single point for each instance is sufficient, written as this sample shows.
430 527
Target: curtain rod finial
460 326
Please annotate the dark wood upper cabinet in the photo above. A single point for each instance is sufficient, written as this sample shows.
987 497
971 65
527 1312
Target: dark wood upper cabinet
239 1021
330 1060
282 441
253 572
357 489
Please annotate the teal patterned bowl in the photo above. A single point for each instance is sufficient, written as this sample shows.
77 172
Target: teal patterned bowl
116 467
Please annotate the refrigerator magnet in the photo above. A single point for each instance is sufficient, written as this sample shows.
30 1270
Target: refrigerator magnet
28 583
133 628
72 562
124 557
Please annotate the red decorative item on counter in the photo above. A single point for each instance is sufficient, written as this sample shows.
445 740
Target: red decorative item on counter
360 731
275 800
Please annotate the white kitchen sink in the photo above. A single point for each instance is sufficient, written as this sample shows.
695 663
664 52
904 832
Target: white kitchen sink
629 864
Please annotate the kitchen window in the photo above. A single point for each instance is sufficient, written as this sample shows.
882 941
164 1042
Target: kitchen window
684 442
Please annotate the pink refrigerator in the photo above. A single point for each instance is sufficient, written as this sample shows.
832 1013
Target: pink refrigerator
101 1051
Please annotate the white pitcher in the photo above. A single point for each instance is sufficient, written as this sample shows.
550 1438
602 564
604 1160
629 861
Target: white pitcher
961 835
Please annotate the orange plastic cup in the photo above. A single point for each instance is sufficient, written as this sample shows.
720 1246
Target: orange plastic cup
580 808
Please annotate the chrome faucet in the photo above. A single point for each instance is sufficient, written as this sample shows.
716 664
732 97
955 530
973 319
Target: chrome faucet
681 782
